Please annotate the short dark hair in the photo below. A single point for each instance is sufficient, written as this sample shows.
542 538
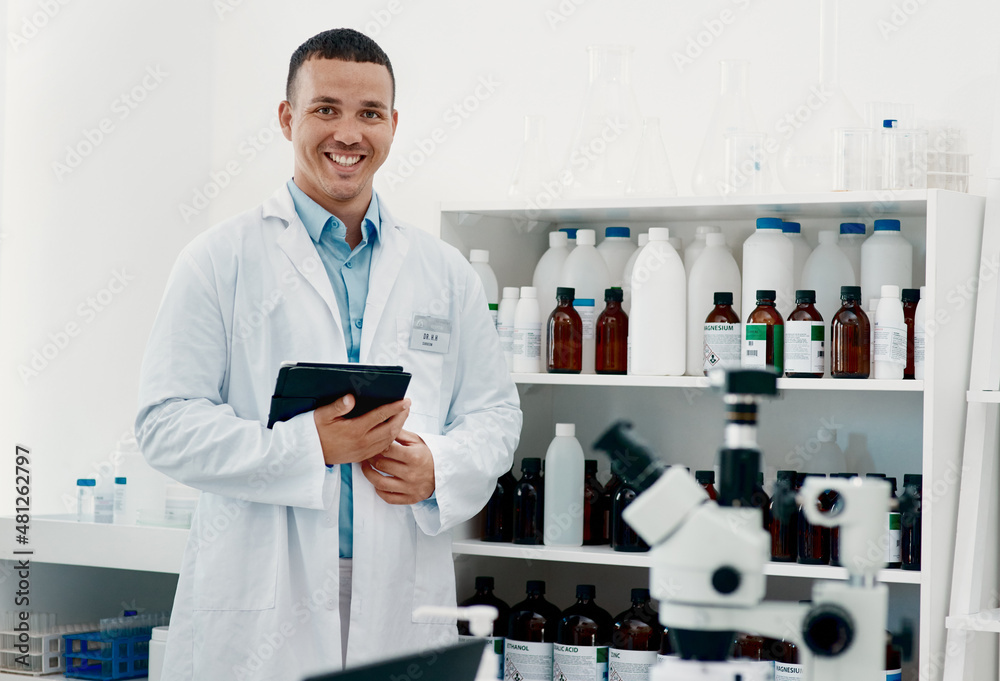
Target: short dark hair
345 44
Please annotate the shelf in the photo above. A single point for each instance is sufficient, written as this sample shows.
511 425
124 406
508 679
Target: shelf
603 555
987 620
702 382
984 396
62 540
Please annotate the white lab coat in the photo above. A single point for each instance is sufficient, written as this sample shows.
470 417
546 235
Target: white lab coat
257 596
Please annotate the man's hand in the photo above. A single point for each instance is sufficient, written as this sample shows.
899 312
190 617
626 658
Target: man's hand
409 462
357 439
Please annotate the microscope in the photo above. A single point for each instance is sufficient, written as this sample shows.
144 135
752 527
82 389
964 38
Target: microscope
707 558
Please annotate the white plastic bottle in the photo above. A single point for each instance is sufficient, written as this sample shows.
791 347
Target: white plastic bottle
920 337
768 264
564 489
121 509
643 239
890 335
829 457
480 260
85 500
678 245
656 336
886 258
872 307
586 271
547 271
800 252
852 237
715 270
826 270
505 323
697 245
616 249
104 500
570 236
527 349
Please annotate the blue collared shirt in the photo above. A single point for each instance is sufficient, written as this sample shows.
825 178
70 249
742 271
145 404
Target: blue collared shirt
348 272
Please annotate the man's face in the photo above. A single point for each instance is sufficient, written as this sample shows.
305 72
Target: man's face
341 125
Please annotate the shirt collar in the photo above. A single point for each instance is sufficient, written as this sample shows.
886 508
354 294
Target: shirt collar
314 217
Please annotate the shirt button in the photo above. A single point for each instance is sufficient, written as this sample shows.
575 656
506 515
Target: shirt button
328 521
348 264
331 604
358 323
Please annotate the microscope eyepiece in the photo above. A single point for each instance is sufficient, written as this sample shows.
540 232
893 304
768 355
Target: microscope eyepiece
631 459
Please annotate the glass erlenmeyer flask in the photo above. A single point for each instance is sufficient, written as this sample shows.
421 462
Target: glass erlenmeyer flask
607 136
533 168
651 174
732 114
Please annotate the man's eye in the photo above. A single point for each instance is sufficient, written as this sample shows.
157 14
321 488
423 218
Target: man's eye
325 110
372 114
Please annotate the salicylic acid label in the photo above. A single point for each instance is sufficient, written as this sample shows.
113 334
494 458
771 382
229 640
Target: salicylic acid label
722 348
527 661
631 665
579 663
804 347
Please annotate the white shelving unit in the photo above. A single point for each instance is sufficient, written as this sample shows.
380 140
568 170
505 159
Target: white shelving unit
902 426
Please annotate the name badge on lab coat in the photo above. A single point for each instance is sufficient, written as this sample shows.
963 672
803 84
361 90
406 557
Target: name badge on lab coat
431 334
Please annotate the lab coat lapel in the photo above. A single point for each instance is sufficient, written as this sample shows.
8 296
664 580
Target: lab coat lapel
386 263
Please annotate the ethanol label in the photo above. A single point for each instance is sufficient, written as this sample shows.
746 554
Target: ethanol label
496 644
755 347
784 671
524 661
579 663
527 341
585 308
804 347
722 348
630 665
890 343
893 528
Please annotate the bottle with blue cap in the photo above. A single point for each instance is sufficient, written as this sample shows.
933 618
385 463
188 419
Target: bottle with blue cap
768 263
852 236
800 252
85 500
616 249
886 258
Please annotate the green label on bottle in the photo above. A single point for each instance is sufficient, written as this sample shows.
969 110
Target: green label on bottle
756 332
817 332
779 349
602 655
894 521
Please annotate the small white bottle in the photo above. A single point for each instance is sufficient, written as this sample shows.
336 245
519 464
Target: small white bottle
570 233
104 501
587 273
715 270
527 355
872 307
768 264
85 500
697 245
480 260
886 258
852 236
890 335
120 512
643 239
547 271
920 337
656 335
677 243
800 250
616 249
505 323
563 519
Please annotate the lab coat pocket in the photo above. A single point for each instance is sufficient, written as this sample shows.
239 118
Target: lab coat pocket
427 369
434 583
236 568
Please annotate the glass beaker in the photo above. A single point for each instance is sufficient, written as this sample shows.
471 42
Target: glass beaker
745 168
904 159
732 114
852 159
651 174
533 168
607 137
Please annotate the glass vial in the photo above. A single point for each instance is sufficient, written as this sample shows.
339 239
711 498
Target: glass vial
564 354
784 519
529 503
595 529
850 337
911 297
805 340
498 524
612 335
85 500
722 334
764 335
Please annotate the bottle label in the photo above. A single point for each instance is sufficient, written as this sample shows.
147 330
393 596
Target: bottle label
919 345
804 347
527 341
893 675
755 346
894 532
890 343
496 644
527 661
785 671
585 308
104 508
631 665
579 663
494 311
507 338
722 346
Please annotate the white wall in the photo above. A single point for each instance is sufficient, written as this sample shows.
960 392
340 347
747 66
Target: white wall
222 66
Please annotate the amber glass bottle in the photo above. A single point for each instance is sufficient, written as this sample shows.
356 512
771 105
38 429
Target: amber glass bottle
722 334
498 524
623 537
585 623
784 519
529 503
564 354
638 628
534 619
850 337
805 338
594 519
707 480
764 335
910 517
910 296
835 531
484 596
612 335
814 540
762 501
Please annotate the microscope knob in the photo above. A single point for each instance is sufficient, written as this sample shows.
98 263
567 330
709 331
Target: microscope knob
726 580
828 630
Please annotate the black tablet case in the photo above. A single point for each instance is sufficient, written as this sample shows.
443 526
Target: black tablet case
305 386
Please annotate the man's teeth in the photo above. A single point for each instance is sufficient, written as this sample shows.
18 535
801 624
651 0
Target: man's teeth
345 160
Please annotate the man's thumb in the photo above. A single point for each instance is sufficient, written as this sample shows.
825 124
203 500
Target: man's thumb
343 406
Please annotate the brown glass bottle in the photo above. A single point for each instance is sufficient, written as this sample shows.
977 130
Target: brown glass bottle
707 480
804 354
564 353
594 519
529 503
721 324
585 623
835 531
910 517
784 519
814 540
623 537
667 646
764 335
748 647
610 489
893 659
910 297
850 337
484 596
498 520
638 628
612 335
760 500
534 619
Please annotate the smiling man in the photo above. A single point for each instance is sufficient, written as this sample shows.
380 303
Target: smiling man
314 541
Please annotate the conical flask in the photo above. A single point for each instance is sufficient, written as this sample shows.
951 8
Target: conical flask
533 168
607 137
732 114
651 174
